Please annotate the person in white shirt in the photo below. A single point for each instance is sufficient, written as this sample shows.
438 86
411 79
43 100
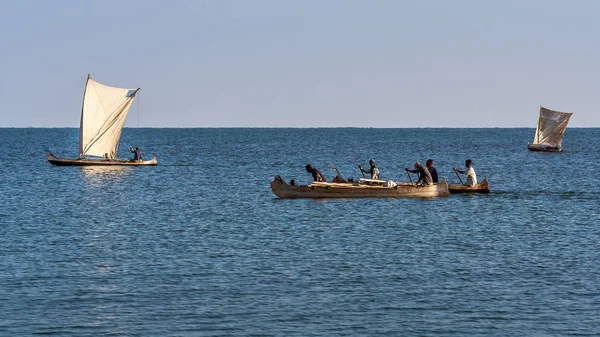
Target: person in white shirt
470 172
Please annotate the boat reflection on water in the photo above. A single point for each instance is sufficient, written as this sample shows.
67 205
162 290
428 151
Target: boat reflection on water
104 175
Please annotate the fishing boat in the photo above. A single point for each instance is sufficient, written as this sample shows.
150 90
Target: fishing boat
550 130
363 188
482 187
99 162
103 114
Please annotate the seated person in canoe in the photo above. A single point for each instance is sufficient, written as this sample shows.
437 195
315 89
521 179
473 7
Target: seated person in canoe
317 175
373 171
137 153
425 178
432 170
470 172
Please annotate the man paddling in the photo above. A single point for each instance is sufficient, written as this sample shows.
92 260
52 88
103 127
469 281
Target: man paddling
317 175
137 153
470 172
373 171
424 176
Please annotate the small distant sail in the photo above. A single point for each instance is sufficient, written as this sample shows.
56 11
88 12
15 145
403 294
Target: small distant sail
102 118
551 127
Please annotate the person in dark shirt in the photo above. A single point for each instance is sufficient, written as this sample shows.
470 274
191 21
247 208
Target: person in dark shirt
432 170
137 153
317 175
373 170
424 175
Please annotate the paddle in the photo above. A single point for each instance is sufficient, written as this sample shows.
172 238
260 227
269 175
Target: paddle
361 171
458 176
338 173
409 177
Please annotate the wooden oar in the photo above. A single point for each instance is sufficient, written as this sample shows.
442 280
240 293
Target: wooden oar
409 177
458 176
338 173
361 171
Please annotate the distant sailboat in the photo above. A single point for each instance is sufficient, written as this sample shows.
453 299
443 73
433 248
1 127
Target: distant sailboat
102 118
550 130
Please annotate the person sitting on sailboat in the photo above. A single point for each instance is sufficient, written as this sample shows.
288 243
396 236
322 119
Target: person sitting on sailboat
373 170
137 153
424 176
317 175
470 172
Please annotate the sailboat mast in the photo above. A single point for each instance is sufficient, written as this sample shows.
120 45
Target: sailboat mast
538 128
81 119
138 106
135 93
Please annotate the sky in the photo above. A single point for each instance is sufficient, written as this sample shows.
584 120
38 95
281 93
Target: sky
309 63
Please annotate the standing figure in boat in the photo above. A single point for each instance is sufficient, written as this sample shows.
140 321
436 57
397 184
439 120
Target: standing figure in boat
137 153
373 171
317 175
432 170
425 178
470 172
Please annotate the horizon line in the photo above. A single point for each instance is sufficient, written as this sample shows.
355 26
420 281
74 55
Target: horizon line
298 127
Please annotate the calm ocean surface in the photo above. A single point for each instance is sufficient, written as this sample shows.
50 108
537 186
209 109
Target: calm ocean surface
199 245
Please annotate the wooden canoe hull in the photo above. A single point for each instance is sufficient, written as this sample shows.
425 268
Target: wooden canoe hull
52 159
539 148
482 187
354 190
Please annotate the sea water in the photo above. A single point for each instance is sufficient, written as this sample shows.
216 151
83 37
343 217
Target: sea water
200 246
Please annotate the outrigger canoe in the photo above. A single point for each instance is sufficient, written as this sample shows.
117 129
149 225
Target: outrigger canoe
482 187
52 159
103 114
365 188
550 130
544 148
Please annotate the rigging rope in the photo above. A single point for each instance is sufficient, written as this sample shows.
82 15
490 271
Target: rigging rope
138 123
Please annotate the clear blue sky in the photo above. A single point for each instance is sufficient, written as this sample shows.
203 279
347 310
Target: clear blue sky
309 63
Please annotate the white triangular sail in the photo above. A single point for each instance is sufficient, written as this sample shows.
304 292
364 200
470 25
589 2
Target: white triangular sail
551 127
102 118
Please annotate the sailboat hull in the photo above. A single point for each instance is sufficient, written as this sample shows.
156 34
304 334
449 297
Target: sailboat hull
540 148
52 159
